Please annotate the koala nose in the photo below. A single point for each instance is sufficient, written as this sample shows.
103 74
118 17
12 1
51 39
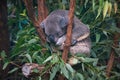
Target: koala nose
51 38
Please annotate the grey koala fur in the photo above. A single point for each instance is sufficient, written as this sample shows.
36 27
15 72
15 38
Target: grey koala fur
83 46
55 27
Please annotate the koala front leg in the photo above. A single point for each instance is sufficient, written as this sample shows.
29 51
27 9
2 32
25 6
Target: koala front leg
62 39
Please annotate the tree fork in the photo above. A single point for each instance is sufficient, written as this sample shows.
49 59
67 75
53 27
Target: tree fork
42 13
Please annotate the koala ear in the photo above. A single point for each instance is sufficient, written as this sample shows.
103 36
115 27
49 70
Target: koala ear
63 22
42 24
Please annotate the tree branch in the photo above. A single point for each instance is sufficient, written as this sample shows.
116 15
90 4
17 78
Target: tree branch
30 10
112 55
42 10
110 62
32 16
68 36
69 31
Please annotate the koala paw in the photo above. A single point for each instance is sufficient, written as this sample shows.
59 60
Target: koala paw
73 42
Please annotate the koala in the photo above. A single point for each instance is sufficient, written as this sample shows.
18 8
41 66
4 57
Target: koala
55 28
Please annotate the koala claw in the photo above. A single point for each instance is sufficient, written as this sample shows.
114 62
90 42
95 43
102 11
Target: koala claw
73 42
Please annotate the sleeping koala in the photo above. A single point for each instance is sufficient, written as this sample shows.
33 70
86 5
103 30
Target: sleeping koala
55 28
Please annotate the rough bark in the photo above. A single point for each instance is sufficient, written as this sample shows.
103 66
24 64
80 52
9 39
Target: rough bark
37 20
69 31
4 34
68 36
42 10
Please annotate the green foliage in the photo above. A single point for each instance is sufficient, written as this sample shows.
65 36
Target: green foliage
87 68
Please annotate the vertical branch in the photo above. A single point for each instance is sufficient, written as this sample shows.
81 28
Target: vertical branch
42 10
42 14
32 16
68 36
30 10
69 31
111 59
112 55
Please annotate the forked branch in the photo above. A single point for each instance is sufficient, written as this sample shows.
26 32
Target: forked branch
41 15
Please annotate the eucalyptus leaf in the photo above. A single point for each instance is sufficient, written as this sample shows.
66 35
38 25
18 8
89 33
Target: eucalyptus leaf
55 59
93 5
35 70
64 71
97 37
48 59
40 78
83 67
90 60
64 1
79 76
32 41
54 70
29 57
5 65
3 54
68 66
86 1
99 11
13 70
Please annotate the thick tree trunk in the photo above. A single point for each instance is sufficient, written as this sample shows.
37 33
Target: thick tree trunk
4 35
